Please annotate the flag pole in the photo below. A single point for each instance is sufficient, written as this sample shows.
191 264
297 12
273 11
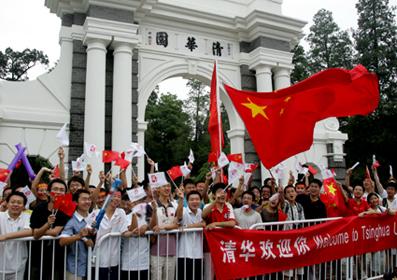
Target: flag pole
218 109
171 179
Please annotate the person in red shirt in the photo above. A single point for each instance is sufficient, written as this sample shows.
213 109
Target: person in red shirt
219 213
357 204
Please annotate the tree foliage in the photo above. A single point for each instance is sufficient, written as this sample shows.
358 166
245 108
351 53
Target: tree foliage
375 42
168 133
301 65
14 65
329 46
197 105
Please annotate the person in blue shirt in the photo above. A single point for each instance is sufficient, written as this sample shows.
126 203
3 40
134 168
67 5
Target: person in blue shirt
78 229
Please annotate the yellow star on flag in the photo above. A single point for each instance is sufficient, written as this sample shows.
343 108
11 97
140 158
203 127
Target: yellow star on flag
256 109
331 189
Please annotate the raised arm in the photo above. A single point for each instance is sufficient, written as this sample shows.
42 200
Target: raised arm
37 179
152 165
347 177
179 209
61 156
88 178
238 191
378 184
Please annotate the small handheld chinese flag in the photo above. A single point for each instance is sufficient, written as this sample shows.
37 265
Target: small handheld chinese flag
65 204
4 174
109 156
56 172
175 172
235 157
120 161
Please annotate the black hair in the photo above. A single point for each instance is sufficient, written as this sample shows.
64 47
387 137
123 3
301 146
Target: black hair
188 181
218 186
371 195
249 192
267 187
255 187
57 180
76 195
360 187
125 197
20 194
288 187
193 193
6 189
267 180
76 179
316 181
92 187
391 184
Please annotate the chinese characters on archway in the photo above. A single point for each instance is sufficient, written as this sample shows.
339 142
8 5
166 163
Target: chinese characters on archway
264 250
190 43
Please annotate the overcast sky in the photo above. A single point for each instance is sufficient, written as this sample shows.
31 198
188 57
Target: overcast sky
29 24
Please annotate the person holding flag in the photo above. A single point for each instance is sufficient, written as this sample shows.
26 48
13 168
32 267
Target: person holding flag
46 220
114 220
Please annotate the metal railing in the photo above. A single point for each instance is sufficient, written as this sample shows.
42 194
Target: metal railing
167 255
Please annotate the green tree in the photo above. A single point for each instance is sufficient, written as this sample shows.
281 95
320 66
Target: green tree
301 65
197 105
376 41
14 65
168 134
329 47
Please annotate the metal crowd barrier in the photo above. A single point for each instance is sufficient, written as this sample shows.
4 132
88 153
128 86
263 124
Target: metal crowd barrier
115 257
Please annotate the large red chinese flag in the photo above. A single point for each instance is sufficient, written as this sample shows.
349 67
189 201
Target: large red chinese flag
214 122
281 123
333 198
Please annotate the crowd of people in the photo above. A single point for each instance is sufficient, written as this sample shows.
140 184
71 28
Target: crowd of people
161 254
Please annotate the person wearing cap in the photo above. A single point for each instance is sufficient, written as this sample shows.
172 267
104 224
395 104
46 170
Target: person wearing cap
219 213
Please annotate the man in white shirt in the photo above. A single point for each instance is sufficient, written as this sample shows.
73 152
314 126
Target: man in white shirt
108 252
14 224
190 251
135 248
245 215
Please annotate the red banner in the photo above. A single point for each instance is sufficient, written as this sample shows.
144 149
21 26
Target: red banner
244 253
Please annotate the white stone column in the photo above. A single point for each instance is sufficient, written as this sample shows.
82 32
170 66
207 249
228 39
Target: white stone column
282 78
236 137
142 126
264 78
122 100
264 83
94 118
